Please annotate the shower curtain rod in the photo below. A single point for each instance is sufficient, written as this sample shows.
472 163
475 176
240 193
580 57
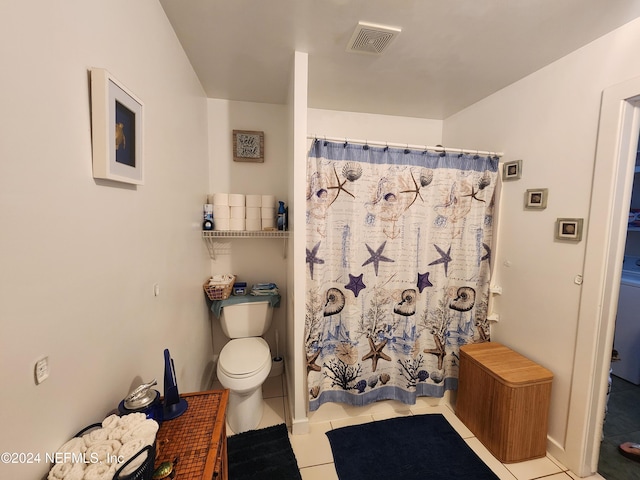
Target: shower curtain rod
437 148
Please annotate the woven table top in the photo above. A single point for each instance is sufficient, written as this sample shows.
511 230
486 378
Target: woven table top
195 437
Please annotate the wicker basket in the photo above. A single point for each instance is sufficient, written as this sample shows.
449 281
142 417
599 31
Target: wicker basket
143 472
219 291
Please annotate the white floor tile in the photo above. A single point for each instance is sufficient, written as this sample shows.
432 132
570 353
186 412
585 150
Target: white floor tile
531 469
319 472
591 477
312 448
346 422
393 414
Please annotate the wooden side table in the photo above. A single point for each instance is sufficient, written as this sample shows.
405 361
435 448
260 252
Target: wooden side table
503 398
197 438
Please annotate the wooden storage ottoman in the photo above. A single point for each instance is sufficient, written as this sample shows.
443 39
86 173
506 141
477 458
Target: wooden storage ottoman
503 398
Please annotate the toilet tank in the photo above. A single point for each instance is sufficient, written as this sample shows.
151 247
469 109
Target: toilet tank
251 319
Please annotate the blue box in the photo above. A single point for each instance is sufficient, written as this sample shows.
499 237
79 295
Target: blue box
240 288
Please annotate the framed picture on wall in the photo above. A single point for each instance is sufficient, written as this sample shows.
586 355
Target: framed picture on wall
512 170
248 146
569 229
117 134
536 199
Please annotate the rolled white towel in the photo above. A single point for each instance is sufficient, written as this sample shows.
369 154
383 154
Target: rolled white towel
66 471
76 445
117 432
132 418
128 450
103 451
99 471
111 421
95 436
146 429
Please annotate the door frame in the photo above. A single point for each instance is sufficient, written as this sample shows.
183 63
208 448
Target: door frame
611 194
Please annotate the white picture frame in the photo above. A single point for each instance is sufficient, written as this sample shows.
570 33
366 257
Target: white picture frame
117 130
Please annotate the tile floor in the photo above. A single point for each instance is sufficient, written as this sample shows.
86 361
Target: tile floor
313 451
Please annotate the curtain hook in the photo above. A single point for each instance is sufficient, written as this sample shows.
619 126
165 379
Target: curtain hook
346 142
386 147
406 150
365 146
476 156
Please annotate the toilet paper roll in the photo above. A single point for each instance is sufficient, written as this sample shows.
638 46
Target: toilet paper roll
220 199
268 223
221 224
269 201
253 200
221 211
266 212
236 224
236 200
253 212
238 212
253 224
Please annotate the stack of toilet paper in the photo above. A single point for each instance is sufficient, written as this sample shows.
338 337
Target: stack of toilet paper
237 211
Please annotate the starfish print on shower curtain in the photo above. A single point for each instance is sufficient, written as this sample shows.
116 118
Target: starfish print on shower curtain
376 257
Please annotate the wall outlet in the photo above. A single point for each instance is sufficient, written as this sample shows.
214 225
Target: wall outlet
41 370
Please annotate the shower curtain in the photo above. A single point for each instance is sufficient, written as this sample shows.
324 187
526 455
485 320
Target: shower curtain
398 264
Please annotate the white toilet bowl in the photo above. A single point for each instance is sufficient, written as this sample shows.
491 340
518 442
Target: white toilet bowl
243 366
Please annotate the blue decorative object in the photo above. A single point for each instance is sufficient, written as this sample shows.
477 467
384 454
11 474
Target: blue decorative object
174 406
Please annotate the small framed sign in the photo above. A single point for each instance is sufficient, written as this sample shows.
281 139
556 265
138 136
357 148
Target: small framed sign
248 146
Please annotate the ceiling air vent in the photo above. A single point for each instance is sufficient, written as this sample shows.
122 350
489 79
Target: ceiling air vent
371 39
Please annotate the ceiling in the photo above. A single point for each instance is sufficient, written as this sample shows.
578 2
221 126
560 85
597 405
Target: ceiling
449 54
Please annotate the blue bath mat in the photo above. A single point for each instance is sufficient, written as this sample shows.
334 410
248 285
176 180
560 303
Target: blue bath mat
405 448
264 454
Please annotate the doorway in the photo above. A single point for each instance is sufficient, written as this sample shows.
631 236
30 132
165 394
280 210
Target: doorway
613 172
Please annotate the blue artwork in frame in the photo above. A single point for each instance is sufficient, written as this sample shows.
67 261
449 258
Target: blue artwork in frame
125 135
117 134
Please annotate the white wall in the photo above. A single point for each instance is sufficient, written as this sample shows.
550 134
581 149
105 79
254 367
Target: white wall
550 121
251 260
79 257
375 128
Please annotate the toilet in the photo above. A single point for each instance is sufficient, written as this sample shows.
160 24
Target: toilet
245 361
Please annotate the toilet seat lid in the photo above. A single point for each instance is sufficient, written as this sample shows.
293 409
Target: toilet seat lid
242 357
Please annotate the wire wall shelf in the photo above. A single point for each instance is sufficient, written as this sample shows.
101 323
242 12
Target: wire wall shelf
213 237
